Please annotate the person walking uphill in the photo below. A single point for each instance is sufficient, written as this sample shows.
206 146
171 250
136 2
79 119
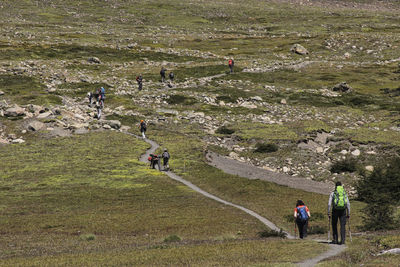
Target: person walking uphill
143 128
162 73
139 80
165 155
231 63
340 205
301 215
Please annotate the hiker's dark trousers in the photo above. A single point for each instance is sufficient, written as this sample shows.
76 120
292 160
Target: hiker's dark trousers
341 215
302 226
231 68
165 162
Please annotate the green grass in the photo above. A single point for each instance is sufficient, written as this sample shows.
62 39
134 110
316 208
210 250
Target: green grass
228 253
62 193
73 52
25 90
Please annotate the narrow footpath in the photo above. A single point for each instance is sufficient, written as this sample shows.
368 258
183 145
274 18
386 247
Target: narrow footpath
333 249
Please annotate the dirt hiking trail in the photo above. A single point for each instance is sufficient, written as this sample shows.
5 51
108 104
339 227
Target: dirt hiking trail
333 249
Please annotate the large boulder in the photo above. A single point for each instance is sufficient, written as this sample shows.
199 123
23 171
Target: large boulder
35 126
299 49
15 111
342 87
113 124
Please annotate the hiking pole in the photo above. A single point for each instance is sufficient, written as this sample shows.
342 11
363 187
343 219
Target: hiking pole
329 226
351 240
295 228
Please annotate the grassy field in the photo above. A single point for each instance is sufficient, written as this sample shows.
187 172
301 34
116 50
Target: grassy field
87 201
67 201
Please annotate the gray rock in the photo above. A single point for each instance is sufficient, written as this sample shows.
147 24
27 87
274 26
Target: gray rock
34 108
35 126
1 92
283 101
369 168
94 60
14 112
106 126
18 141
44 115
256 98
342 87
299 49
356 152
79 117
113 124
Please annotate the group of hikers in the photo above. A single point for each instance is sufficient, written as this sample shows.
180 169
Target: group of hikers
338 204
156 160
338 210
171 75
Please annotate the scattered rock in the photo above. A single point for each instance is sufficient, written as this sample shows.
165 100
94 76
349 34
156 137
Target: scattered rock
299 49
248 105
256 98
44 115
18 141
347 55
390 251
356 152
14 112
342 87
35 126
283 101
1 92
94 60
115 124
234 155
79 117
369 168
106 126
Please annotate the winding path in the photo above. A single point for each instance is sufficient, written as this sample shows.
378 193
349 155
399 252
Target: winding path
333 249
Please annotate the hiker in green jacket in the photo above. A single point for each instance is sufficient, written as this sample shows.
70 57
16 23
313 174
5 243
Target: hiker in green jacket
340 205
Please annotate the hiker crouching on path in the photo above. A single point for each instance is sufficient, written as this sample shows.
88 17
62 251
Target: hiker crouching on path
143 128
301 215
165 157
340 204
154 159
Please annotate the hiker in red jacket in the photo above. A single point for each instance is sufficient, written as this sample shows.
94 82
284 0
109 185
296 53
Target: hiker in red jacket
301 215
231 63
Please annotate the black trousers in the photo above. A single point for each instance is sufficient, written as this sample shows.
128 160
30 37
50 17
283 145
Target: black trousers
341 216
302 226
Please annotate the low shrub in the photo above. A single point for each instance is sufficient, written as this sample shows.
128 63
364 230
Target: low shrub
172 238
266 148
224 130
87 237
346 165
272 233
180 99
